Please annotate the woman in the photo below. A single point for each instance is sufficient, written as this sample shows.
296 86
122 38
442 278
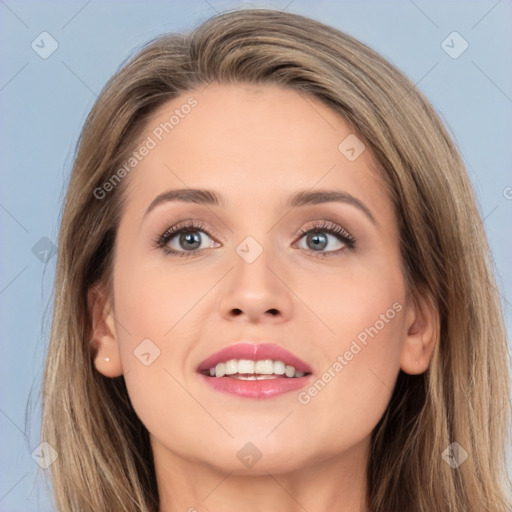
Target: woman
273 288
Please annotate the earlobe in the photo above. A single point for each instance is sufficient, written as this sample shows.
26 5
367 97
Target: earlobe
421 336
103 341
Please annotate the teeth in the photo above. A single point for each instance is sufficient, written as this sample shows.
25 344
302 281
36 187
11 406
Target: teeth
265 367
255 377
246 366
279 367
231 367
246 369
220 370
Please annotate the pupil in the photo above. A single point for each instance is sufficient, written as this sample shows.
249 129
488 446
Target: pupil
192 238
315 238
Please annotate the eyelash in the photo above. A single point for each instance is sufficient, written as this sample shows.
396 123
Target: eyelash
192 226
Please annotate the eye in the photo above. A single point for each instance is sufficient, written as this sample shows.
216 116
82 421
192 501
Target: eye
184 239
318 236
188 238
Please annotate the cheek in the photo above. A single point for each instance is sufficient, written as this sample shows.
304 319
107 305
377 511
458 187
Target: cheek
153 300
150 311
352 392
364 311
359 300
156 318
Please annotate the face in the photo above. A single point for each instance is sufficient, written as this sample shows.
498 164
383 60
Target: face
320 279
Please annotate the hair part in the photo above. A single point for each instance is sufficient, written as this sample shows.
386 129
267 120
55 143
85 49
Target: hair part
105 460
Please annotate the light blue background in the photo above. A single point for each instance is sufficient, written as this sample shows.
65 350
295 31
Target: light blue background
44 103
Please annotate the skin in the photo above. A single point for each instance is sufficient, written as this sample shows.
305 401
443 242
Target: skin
237 141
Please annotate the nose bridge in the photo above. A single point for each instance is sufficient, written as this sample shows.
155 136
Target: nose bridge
252 261
253 288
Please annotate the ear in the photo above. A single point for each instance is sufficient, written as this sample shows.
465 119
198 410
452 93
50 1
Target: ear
422 328
103 340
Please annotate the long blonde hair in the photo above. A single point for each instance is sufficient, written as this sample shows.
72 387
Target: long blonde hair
105 460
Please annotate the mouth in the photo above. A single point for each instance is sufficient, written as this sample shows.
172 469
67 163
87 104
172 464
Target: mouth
254 370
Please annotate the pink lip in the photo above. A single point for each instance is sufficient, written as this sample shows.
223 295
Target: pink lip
254 352
255 388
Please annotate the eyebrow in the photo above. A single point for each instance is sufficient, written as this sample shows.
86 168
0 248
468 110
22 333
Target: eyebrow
297 199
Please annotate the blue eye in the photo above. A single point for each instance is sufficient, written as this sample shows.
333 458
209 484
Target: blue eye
188 236
318 236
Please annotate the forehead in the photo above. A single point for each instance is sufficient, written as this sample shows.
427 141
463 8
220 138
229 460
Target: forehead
250 141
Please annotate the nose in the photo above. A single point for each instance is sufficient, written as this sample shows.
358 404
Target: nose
256 292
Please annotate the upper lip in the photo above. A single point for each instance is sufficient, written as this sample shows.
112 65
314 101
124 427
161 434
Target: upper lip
255 352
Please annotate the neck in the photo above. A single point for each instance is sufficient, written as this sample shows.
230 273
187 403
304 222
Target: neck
336 483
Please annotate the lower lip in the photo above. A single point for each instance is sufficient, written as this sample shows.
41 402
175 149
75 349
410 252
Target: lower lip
256 388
